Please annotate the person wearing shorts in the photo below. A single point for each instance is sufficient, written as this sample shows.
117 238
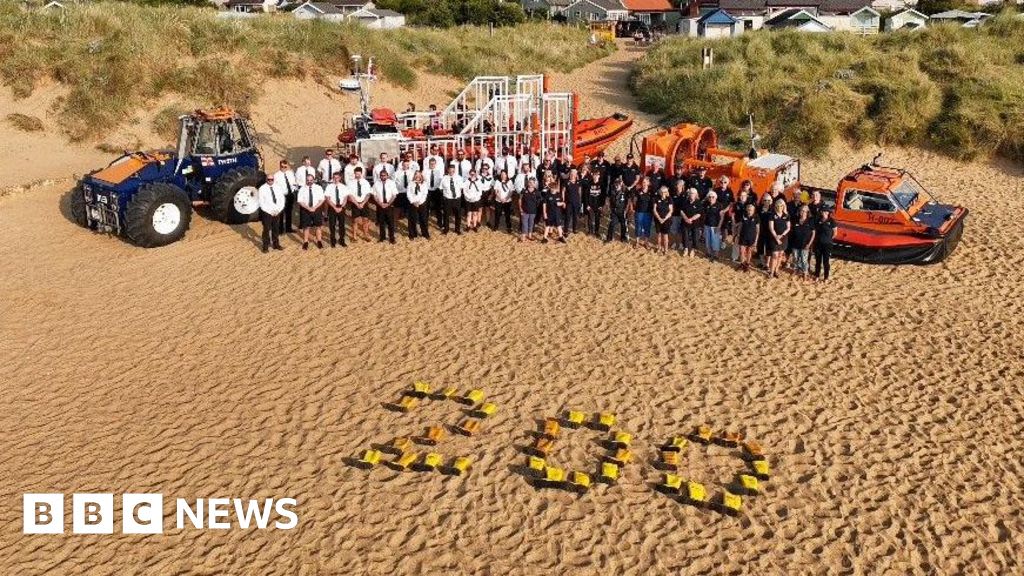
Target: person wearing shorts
778 230
311 216
552 205
663 218
643 204
748 227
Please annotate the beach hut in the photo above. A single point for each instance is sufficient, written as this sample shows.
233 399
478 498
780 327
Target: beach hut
965 19
654 13
866 21
839 15
797 19
908 19
717 24
591 10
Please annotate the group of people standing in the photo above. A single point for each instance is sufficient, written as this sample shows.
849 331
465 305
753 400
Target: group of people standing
689 213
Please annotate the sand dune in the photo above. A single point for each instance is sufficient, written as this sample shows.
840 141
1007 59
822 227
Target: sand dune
889 401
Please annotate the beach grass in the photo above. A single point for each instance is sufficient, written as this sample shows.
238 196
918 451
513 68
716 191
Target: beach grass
115 57
957 91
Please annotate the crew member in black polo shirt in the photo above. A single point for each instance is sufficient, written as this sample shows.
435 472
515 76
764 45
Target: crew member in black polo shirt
700 182
573 202
594 188
631 174
619 205
825 233
690 208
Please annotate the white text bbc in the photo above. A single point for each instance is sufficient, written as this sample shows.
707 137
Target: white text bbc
144 513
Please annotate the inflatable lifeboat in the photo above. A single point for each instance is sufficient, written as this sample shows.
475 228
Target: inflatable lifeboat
595 134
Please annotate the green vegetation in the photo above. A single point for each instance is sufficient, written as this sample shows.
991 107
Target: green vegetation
954 90
24 122
115 58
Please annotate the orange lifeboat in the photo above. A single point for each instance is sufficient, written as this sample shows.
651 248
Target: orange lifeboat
595 134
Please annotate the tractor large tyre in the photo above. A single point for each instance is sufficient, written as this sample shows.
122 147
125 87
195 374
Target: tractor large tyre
158 215
78 209
235 197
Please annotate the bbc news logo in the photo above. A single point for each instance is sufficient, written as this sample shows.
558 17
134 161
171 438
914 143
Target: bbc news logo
144 513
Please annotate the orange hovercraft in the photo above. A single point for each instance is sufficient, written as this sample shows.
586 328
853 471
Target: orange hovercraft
883 215
491 113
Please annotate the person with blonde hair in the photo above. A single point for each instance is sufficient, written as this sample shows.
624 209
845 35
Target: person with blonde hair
712 225
778 230
663 218
690 210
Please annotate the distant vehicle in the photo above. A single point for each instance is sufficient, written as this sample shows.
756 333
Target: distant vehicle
883 215
147 197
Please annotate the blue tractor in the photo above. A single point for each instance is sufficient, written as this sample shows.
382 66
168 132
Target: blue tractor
148 197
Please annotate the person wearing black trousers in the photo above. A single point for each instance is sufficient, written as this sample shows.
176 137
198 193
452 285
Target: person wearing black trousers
286 184
619 203
337 197
595 199
503 190
432 174
271 204
573 202
452 188
825 233
385 192
419 213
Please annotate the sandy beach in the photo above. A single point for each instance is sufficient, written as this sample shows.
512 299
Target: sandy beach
889 401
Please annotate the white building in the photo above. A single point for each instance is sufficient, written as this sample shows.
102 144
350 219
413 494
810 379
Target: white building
908 19
378 18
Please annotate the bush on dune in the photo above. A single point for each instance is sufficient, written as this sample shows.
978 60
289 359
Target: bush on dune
958 91
114 58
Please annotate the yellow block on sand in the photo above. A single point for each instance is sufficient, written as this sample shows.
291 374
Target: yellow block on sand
623 439
704 433
461 465
552 474
401 444
677 444
475 396
537 464
432 460
435 434
610 471
406 459
672 482
488 409
622 456
575 418
731 502
580 480
696 492
749 483
371 457
449 391
670 457
761 469
606 420
753 448
407 403
544 445
730 438
421 388
470 426
551 428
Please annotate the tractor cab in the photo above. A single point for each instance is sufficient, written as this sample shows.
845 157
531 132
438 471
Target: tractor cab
148 196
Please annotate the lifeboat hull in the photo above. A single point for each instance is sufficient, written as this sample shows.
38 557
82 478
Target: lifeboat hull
873 247
596 134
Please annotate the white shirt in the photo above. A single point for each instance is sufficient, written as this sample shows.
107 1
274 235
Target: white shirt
404 178
462 167
327 168
285 182
387 166
337 194
486 183
412 165
510 164
503 190
417 193
385 192
360 190
271 202
533 159
311 196
521 179
350 171
432 178
438 163
300 175
485 161
452 186
474 190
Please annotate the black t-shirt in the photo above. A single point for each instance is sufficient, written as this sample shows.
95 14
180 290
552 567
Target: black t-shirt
663 207
619 200
644 203
688 208
826 232
703 185
712 215
725 198
572 193
779 223
551 199
630 174
531 201
800 234
595 193
748 226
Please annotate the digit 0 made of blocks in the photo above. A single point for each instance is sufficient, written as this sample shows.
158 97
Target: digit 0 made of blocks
546 473
416 453
695 493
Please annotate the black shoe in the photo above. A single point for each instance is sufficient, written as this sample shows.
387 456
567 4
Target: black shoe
305 245
320 245
334 244
544 241
343 244
426 237
290 230
563 240
392 240
278 247
264 249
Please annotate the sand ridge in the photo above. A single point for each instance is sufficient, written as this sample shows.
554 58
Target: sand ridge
889 401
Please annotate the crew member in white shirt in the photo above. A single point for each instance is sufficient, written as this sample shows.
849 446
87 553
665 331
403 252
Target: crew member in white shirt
328 167
305 171
452 186
507 162
383 164
484 160
462 164
359 192
523 177
473 193
337 196
384 194
350 168
419 213
413 163
503 190
271 205
435 155
407 170
532 160
311 215
432 175
487 203
286 185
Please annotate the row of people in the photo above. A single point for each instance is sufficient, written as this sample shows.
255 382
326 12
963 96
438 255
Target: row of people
686 213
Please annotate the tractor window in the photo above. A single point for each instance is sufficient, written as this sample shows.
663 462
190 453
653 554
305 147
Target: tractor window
221 139
867 202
